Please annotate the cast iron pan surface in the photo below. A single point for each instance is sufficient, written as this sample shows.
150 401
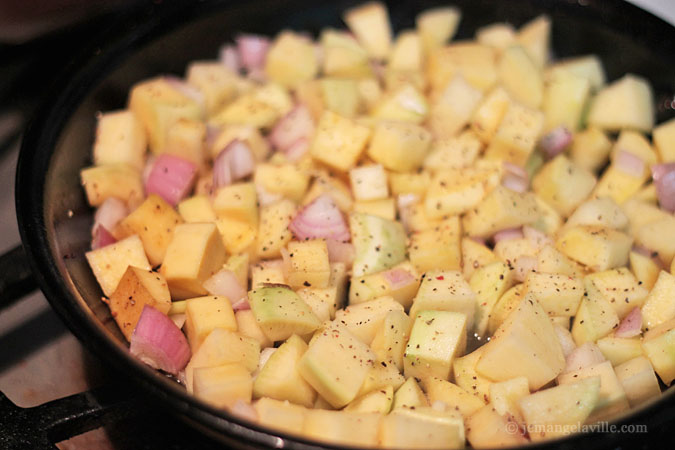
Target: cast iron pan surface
55 219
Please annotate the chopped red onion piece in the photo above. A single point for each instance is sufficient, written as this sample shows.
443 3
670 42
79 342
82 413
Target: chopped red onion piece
171 177
478 239
555 141
229 57
631 325
664 180
109 214
225 282
242 161
241 305
297 124
509 233
101 238
222 172
630 163
515 178
297 150
252 50
212 133
320 219
398 278
339 251
159 343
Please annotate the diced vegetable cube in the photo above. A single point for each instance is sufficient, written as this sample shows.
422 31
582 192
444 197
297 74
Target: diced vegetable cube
110 263
281 313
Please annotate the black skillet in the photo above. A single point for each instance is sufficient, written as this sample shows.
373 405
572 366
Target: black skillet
54 218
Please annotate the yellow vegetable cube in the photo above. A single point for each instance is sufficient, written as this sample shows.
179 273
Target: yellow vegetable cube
664 136
399 146
436 26
120 139
638 380
521 77
109 263
452 395
196 209
291 59
370 24
308 264
517 135
563 185
659 346
283 416
559 295
455 191
215 81
626 103
273 232
453 107
422 428
619 287
489 283
114 180
185 139
406 55
501 209
286 180
437 248
597 247
369 182
565 97
405 104
535 37
222 386
260 108
659 307
338 141
466 376
594 319
237 201
489 114
205 314
486 428
445 290
590 148
476 63
340 427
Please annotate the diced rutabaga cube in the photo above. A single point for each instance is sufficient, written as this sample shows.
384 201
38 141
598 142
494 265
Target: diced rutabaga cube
559 295
343 55
369 182
454 397
260 107
364 319
535 37
291 59
370 24
590 148
340 96
505 395
626 103
158 105
619 287
280 312
645 269
283 416
560 410
455 191
286 180
550 260
340 427
273 232
474 255
409 396
486 428
636 144
588 67
267 272
565 98
618 184
109 263
445 290
563 185
454 153
325 301
112 180
436 26
659 347
509 250
524 345
506 303
638 380
222 386
599 211
436 338
611 397
137 288
120 139
466 376
380 376
489 114
154 222
658 236
497 35
599 248
196 209
453 107
195 253
338 141
659 307
619 350
664 140
205 314
279 377
517 134
422 428
237 201
489 283
400 282
594 319
501 209
336 364
377 401
437 248
237 236
307 264
215 81
186 139
476 63
223 346
379 243
405 103
248 326
520 76
406 55
391 338
399 146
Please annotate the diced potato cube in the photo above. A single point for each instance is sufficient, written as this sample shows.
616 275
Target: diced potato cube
343 56
409 183
466 376
384 207
489 283
399 146
194 254
370 23
563 185
205 314
283 416
565 98
291 59
638 380
286 180
489 114
308 264
589 67
154 222
626 103
599 211
437 248
599 248
476 63
559 295
659 307
619 350
474 255
409 396
445 290
237 236
120 139
619 287
338 141
658 236
364 319
594 319
340 427
454 153
517 134
486 428
455 191
186 139
436 26
405 104
137 288
215 81
497 35
659 346
452 395
535 37
114 180
369 182
505 304
273 232
380 376
377 401
406 55
521 77
501 209
664 140
453 107
222 386
109 263
196 209
422 428
248 326
590 148
237 201
391 338
505 395
261 107
524 345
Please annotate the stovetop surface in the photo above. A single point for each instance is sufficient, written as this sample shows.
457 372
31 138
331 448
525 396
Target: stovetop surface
40 360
